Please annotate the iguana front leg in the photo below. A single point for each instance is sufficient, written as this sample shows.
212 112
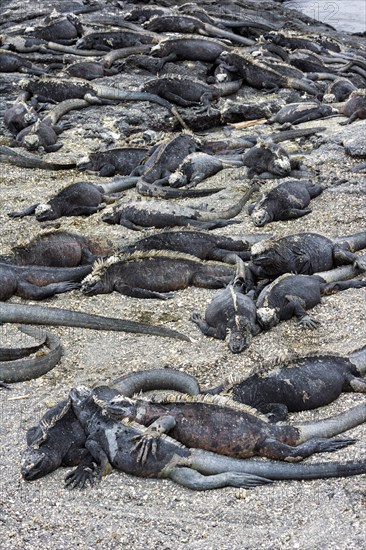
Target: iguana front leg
148 442
218 332
296 307
99 456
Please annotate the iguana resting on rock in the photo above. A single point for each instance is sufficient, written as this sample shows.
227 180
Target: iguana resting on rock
295 384
38 315
260 75
39 282
165 158
205 246
292 295
286 201
233 311
73 433
218 424
188 92
152 274
113 161
303 253
56 90
140 214
21 369
78 199
58 249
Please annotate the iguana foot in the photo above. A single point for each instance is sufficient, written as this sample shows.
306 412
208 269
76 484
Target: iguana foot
360 263
146 444
4 385
79 478
309 322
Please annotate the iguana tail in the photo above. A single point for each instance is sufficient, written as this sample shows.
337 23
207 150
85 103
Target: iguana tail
39 315
210 464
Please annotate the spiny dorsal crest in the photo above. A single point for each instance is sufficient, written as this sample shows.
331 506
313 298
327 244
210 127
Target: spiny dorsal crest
101 266
207 399
45 425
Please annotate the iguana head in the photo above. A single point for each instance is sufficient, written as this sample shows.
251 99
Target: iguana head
260 217
267 317
240 336
45 212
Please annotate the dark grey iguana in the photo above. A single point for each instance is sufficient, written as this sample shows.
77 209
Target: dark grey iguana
286 201
292 295
303 254
58 249
218 424
39 282
297 383
231 310
152 274
140 214
187 92
260 75
77 432
78 199
205 246
121 161
21 369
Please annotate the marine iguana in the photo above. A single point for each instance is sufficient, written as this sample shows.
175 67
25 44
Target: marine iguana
187 24
12 63
60 440
286 201
189 47
113 40
38 315
19 115
198 166
296 113
187 92
56 90
58 249
291 295
137 215
303 254
19 370
295 384
113 161
231 310
66 437
259 75
39 282
354 107
165 158
152 274
78 199
205 246
267 160
218 424
89 70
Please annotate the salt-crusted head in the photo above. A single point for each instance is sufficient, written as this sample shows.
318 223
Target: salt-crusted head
44 212
267 317
260 217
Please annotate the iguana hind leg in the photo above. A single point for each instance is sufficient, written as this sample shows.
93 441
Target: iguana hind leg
272 448
198 482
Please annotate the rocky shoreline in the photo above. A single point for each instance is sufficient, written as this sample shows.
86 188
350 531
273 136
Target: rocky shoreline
129 512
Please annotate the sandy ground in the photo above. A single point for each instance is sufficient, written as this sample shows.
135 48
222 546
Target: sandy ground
126 512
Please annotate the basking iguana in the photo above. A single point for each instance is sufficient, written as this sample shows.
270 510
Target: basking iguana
303 253
296 384
225 427
78 432
231 310
292 295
